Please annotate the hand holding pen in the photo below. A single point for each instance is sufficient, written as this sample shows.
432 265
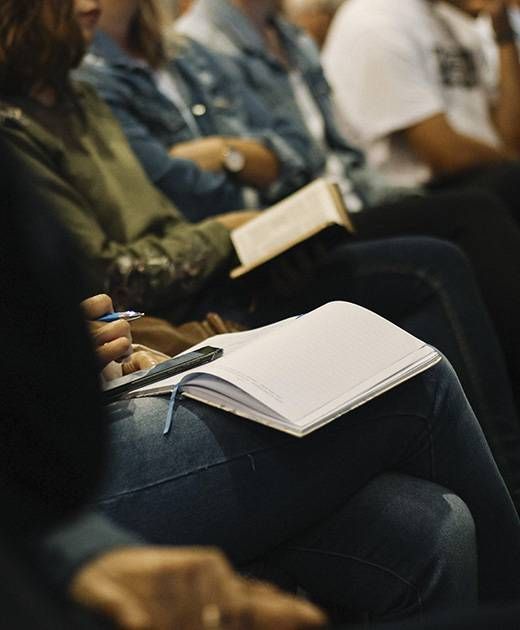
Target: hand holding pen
112 338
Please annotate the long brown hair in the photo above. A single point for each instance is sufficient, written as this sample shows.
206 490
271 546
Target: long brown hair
145 36
40 42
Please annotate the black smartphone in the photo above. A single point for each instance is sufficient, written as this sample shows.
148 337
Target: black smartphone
125 384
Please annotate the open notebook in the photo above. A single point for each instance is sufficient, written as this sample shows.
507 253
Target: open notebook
302 373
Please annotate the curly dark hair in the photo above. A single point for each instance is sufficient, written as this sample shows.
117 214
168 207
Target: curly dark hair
40 42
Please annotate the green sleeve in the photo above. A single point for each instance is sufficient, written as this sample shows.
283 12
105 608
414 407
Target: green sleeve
168 260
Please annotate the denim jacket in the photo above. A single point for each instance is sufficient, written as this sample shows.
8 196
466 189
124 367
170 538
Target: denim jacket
220 25
153 124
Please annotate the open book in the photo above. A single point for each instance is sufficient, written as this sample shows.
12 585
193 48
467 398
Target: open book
300 374
293 220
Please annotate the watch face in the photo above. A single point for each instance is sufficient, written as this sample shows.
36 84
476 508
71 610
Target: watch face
234 160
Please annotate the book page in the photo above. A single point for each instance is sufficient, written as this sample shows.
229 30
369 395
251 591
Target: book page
229 342
209 390
318 361
286 223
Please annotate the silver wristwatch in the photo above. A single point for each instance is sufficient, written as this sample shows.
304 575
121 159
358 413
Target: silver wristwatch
234 160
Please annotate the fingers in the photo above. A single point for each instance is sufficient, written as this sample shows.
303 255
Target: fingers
217 323
233 220
140 360
97 306
260 605
113 341
114 351
98 591
150 588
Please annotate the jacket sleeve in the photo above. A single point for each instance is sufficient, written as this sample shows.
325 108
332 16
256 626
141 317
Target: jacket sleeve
196 192
63 551
288 141
168 260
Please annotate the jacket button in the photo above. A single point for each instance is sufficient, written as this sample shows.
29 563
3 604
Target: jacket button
198 110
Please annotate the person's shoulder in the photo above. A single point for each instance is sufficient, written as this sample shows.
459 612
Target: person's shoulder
25 139
203 30
87 94
97 113
11 116
100 72
366 24
380 13
17 128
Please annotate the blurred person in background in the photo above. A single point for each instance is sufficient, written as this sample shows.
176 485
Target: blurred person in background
412 79
205 142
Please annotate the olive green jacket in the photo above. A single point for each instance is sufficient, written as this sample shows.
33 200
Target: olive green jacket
132 238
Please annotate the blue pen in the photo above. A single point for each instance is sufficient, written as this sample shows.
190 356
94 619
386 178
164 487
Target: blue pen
129 316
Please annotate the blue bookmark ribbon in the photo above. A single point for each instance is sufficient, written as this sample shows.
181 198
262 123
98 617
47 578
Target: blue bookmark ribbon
172 406
171 409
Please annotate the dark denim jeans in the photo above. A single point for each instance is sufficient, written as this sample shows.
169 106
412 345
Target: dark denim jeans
427 287
387 510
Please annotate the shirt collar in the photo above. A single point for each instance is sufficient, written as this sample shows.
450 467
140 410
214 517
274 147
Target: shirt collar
234 23
107 48
244 35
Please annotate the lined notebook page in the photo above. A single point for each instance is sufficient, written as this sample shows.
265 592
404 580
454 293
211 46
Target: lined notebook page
318 357
229 342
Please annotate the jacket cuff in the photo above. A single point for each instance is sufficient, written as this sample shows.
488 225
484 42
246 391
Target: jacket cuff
65 550
294 172
218 235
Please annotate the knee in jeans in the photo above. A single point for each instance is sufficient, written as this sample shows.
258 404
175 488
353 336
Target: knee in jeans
430 520
424 516
436 255
430 542
456 525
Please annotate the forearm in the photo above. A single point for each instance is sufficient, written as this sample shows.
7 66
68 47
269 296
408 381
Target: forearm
466 153
507 112
158 271
447 151
261 166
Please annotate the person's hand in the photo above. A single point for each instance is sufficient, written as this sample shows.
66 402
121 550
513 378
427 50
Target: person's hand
233 220
208 153
161 588
142 358
113 341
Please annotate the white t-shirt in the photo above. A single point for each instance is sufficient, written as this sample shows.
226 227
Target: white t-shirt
395 63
